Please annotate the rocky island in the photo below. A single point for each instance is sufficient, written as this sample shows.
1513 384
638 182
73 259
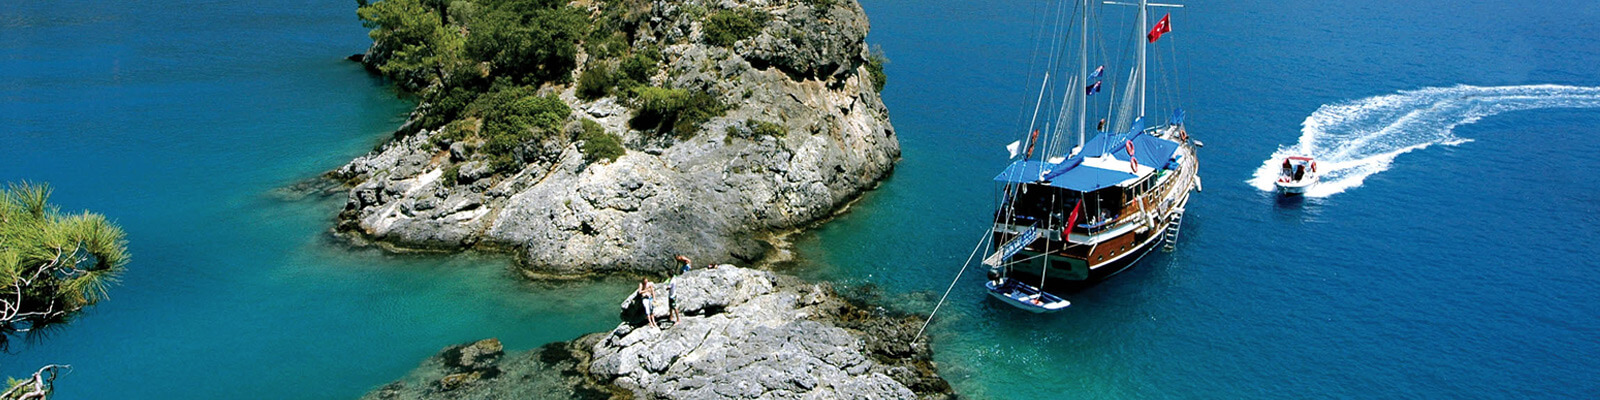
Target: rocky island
744 334
605 136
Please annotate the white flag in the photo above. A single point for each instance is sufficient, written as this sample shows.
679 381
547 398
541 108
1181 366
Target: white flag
1014 148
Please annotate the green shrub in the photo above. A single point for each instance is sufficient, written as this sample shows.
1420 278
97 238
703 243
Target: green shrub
528 44
462 12
513 115
875 62
530 41
699 108
724 27
823 4
598 144
453 132
676 111
596 82
444 106
604 43
637 68
451 174
764 128
754 130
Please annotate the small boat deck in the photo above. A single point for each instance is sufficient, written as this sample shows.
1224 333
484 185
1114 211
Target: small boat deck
1025 296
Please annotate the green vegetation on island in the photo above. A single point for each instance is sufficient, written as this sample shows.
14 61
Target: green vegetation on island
725 27
875 62
599 144
487 72
754 130
52 266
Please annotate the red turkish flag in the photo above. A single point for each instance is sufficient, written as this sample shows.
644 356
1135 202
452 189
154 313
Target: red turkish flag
1067 230
1161 27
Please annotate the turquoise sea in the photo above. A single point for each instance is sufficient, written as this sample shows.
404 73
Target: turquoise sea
1463 268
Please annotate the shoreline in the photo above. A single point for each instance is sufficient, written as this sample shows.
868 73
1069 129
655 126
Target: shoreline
729 313
778 248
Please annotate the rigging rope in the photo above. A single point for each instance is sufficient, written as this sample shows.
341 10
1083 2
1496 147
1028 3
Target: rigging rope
985 238
1177 71
1033 59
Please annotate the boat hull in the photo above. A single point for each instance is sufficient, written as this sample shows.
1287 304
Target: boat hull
1089 274
1296 188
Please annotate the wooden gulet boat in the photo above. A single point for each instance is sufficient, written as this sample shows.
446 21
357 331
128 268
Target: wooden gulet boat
1122 213
1099 208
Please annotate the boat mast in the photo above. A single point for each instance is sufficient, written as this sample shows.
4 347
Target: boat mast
1083 71
1144 41
1144 44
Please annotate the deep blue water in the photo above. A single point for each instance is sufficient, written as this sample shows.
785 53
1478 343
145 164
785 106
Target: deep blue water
1460 271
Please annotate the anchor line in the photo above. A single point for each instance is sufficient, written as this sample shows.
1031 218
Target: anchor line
981 240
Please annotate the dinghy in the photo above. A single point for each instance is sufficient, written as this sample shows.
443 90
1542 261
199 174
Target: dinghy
1024 296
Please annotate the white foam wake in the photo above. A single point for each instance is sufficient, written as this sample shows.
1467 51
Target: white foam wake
1355 139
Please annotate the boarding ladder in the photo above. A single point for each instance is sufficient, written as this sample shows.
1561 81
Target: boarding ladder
1171 238
1016 244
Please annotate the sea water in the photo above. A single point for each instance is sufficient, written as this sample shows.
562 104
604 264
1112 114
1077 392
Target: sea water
179 120
1460 269
1463 268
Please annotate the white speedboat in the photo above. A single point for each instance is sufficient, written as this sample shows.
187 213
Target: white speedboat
1299 174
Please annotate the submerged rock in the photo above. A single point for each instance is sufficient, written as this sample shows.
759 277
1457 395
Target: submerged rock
744 334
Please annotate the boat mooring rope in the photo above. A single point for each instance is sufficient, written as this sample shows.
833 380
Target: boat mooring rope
986 235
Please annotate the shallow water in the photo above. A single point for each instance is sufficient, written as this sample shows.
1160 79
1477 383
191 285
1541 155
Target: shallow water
1461 271
179 127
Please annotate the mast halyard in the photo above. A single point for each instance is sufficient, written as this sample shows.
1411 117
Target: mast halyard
1035 119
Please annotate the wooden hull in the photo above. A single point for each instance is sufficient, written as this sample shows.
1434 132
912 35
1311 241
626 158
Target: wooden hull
1088 263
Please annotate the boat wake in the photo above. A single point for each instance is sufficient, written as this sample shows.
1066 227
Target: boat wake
1355 139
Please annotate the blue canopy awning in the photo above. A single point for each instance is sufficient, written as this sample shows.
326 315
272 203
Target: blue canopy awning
1150 150
1072 174
1075 176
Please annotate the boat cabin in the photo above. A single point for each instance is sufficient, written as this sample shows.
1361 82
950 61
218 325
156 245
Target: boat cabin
1102 181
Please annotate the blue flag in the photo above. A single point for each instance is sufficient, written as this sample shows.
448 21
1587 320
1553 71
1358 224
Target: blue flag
1092 89
1097 72
1177 117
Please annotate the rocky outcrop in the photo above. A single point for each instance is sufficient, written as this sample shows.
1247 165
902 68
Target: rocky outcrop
744 334
714 196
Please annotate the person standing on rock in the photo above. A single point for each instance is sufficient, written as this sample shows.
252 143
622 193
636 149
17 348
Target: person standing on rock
672 299
686 264
647 291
